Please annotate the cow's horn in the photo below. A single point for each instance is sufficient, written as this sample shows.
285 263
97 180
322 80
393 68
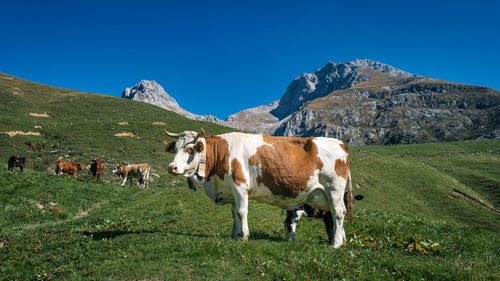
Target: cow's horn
201 134
170 134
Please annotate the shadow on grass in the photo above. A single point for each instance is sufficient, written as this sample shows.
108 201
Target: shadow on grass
98 235
257 235
110 234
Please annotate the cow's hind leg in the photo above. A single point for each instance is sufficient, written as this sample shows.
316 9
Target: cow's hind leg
291 222
339 210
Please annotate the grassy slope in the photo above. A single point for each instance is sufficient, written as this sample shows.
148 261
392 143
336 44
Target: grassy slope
131 233
158 233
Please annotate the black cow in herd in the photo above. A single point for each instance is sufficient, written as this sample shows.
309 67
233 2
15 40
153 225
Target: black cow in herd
15 161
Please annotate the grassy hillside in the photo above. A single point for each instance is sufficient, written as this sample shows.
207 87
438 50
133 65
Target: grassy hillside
430 211
60 228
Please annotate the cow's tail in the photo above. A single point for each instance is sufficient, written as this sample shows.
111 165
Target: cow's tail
350 201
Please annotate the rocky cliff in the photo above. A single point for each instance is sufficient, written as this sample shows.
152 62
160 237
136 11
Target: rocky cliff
384 109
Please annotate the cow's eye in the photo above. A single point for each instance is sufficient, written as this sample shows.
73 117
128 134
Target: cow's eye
189 150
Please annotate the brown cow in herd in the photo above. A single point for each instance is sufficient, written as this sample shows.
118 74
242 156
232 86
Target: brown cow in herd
128 171
96 168
67 167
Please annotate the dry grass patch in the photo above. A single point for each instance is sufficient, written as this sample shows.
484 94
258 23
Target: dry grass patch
40 114
124 123
37 127
15 133
159 123
127 134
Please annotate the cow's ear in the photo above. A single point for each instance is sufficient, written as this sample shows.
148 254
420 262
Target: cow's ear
199 146
170 146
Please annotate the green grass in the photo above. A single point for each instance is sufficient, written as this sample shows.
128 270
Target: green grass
172 233
410 226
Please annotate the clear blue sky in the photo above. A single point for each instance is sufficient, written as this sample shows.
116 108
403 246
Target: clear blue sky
219 57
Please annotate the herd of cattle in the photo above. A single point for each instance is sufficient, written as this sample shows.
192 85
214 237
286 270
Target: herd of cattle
305 176
96 167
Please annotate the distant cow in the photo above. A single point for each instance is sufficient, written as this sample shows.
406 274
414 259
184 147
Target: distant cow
140 171
96 168
67 167
15 161
293 216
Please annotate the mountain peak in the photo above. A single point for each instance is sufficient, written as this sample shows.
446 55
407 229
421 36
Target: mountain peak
331 77
382 67
150 91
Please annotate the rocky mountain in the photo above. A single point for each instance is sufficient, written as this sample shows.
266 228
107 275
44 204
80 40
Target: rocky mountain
361 102
153 93
367 102
333 76
256 120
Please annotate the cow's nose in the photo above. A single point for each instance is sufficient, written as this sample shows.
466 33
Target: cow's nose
172 169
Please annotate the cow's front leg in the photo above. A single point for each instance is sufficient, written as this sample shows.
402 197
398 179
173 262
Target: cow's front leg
237 222
328 220
124 181
241 205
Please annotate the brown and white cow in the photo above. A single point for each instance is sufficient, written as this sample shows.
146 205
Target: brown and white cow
283 171
140 171
96 168
67 167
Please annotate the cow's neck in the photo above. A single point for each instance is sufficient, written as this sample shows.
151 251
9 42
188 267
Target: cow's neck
217 157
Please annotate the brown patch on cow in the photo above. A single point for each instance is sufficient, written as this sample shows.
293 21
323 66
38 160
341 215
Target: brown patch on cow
159 123
342 168
170 146
199 146
287 164
217 156
124 123
237 171
45 115
15 133
344 147
127 134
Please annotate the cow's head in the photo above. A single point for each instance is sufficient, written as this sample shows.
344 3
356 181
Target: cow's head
189 152
80 166
118 169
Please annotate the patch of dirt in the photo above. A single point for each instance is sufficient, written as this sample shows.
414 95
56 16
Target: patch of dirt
38 127
7 78
15 133
159 123
457 193
40 114
16 93
124 123
127 134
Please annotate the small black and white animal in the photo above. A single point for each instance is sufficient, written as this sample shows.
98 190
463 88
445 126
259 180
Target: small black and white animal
15 161
293 216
